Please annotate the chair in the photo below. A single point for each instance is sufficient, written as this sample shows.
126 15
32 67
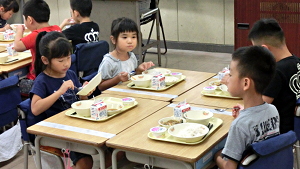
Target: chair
275 152
10 97
297 145
154 16
26 120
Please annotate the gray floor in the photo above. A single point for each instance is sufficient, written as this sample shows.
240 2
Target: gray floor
178 59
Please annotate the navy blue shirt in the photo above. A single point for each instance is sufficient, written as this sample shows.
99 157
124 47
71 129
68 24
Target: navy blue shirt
2 22
45 85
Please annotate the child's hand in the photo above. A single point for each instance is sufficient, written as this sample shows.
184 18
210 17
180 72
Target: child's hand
236 110
91 92
123 76
7 26
144 66
20 28
225 78
65 86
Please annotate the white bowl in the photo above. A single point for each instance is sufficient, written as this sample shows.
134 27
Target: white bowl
215 83
210 89
188 132
176 74
170 121
141 80
169 80
82 108
128 101
113 108
158 132
157 71
3 57
198 116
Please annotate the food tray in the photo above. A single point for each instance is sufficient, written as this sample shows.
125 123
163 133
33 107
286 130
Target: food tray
217 122
131 85
13 59
219 94
71 112
3 40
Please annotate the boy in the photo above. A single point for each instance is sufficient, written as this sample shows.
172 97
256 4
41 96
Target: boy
36 15
84 30
251 70
268 33
7 9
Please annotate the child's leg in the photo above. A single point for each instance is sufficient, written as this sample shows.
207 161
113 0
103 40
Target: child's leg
81 161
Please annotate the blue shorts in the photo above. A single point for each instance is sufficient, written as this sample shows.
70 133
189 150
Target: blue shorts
75 156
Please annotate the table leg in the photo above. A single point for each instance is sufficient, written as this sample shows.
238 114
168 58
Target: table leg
38 152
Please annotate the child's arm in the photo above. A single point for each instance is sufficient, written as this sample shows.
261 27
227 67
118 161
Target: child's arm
144 66
224 164
105 84
66 22
6 27
18 44
39 105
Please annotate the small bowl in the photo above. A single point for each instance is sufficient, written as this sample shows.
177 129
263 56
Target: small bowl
141 80
82 108
170 121
169 80
3 57
188 132
113 108
209 89
128 101
198 116
176 74
158 132
157 71
215 83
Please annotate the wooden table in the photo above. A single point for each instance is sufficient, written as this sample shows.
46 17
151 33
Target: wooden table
135 142
194 96
75 133
193 79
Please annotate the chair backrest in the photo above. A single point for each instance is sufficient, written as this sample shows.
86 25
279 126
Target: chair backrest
275 152
88 56
10 97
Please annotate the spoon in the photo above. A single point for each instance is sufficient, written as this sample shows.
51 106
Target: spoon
222 110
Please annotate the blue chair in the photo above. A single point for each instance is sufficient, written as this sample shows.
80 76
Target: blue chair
297 145
27 119
275 152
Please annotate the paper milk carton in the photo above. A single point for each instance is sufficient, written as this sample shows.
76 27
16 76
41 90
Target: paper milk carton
158 82
181 108
98 110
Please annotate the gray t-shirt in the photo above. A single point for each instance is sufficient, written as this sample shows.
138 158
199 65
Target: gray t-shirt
254 124
111 67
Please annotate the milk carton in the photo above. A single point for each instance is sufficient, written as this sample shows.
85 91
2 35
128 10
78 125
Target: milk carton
98 110
181 108
158 82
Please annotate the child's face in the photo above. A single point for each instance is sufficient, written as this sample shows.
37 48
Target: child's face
127 41
6 15
234 82
60 66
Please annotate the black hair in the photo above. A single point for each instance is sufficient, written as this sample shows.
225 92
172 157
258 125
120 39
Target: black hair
257 63
267 31
121 25
10 5
51 45
37 9
84 7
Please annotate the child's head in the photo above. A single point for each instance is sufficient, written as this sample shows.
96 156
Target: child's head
50 46
251 67
8 8
267 32
124 29
36 9
83 7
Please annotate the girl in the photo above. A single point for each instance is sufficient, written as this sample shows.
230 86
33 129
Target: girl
116 65
7 9
55 87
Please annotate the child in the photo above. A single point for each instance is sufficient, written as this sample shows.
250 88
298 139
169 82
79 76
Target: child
36 15
55 87
116 65
84 30
7 9
281 92
251 70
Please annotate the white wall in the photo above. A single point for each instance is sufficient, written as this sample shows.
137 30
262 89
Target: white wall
200 21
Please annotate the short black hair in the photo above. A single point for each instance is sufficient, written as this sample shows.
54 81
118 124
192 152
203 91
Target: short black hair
84 7
121 25
267 31
37 9
257 63
10 5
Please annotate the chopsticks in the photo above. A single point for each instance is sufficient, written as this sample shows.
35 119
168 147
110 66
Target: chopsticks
210 126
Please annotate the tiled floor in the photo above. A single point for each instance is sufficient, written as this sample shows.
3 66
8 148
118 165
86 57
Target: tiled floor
179 59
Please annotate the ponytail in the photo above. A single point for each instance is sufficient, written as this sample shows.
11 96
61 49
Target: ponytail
38 64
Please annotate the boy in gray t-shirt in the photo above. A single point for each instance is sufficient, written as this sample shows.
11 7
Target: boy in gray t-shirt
251 70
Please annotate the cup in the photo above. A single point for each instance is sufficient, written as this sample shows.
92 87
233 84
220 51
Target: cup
11 51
